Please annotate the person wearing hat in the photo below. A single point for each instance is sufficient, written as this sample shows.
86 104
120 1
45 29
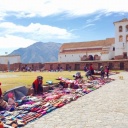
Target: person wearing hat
77 75
102 72
37 85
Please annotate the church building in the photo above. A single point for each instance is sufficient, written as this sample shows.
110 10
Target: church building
108 49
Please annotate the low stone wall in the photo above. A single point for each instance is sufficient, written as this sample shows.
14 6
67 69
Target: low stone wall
113 65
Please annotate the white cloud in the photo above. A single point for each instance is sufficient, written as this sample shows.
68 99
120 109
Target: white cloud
94 18
35 31
88 25
31 8
15 36
10 41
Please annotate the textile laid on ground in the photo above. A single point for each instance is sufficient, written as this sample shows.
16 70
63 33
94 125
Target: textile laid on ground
18 92
34 107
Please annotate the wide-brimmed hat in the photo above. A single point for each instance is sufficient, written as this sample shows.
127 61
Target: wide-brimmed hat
39 77
77 75
101 66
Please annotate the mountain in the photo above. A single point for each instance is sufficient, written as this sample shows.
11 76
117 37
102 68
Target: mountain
39 52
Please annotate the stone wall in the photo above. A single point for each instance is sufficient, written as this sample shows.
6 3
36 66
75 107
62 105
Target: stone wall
113 64
20 66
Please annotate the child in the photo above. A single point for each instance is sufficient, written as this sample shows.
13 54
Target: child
11 102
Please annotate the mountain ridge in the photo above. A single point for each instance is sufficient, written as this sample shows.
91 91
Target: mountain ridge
39 52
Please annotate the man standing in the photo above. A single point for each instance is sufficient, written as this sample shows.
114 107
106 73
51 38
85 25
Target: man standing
91 69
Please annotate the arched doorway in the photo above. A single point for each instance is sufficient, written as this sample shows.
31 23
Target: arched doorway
90 57
96 57
84 58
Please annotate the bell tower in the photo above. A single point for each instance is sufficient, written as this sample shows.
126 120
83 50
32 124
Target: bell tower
121 39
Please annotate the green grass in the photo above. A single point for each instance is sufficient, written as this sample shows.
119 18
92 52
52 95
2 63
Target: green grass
10 80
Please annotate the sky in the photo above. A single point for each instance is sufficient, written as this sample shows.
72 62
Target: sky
25 22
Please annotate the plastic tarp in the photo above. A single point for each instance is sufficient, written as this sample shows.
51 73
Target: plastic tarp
18 92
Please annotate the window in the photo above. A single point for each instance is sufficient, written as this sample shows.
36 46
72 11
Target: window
65 55
120 28
126 28
96 57
120 38
113 48
126 38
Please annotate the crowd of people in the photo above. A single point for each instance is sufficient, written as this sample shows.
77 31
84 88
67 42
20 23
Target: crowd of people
104 71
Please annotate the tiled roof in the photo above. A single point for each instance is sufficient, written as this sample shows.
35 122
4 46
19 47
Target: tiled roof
76 52
123 20
100 43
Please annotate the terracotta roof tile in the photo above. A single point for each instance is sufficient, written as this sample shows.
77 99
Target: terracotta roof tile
98 43
76 52
123 20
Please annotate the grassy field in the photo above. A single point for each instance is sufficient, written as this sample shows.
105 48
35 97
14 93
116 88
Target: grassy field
10 80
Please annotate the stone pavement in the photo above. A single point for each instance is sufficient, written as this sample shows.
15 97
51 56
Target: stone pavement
106 107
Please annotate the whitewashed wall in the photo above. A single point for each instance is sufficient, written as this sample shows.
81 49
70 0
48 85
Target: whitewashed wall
74 57
104 57
111 52
120 47
10 59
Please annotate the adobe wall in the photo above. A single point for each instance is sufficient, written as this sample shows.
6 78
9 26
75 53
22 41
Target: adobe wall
118 57
113 64
20 66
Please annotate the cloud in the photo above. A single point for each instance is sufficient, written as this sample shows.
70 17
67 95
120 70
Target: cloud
23 36
10 41
97 17
35 31
88 25
32 8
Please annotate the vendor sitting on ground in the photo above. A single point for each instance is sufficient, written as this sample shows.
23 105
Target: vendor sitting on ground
89 75
78 81
37 85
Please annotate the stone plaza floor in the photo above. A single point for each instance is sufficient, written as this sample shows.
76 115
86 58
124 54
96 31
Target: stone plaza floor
106 107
